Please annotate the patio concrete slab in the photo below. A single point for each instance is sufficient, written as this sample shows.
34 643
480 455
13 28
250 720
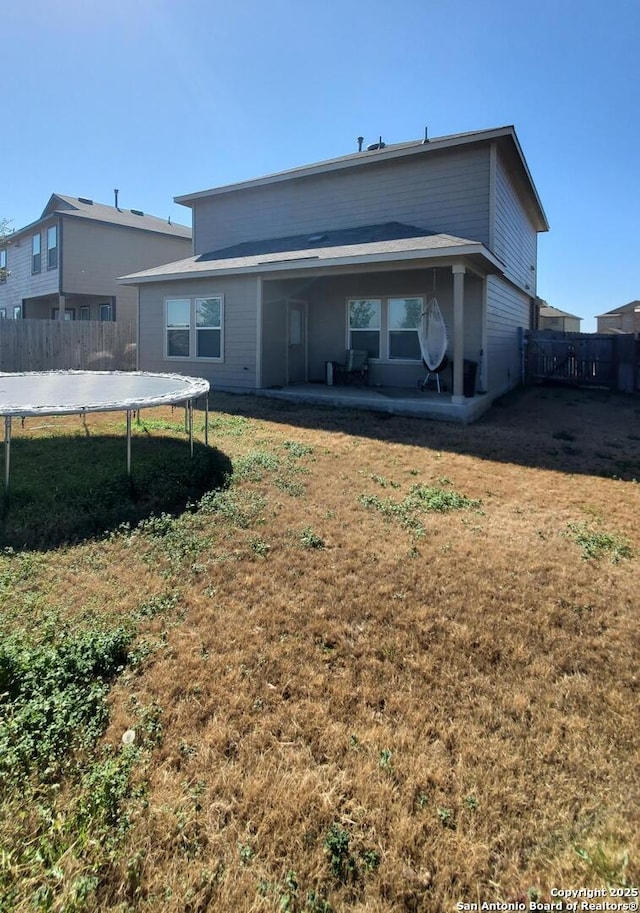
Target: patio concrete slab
394 400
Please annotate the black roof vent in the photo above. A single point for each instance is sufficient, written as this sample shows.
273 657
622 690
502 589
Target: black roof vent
320 237
379 145
85 200
137 212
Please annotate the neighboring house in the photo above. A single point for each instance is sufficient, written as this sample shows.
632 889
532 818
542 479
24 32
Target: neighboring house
625 319
291 269
64 265
550 318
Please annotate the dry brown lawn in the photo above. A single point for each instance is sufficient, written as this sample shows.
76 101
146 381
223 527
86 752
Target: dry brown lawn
356 706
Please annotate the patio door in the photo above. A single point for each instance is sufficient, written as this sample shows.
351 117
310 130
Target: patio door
297 347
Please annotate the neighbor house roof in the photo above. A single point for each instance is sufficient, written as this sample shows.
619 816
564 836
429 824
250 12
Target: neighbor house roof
84 208
389 241
504 136
547 310
632 307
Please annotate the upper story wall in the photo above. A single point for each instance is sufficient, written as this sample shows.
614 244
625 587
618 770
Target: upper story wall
442 192
96 253
514 237
22 282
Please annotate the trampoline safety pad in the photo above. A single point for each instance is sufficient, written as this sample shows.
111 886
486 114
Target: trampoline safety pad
69 392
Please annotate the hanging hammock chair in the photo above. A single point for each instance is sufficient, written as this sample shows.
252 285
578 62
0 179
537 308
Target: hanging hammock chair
432 334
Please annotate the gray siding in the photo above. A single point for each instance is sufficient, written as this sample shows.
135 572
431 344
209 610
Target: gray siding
238 370
21 283
442 193
507 310
95 254
515 238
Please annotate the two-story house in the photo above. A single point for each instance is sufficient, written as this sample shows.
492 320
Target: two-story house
292 269
624 319
551 318
64 265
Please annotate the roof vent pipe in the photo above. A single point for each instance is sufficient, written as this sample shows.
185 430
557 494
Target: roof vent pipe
426 135
360 142
115 193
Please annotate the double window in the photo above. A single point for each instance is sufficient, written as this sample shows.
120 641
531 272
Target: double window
36 261
52 247
385 327
194 328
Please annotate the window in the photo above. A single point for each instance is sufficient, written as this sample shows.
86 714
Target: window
364 325
105 313
3 265
52 247
69 314
85 312
208 327
3 313
194 328
385 327
17 312
35 254
404 320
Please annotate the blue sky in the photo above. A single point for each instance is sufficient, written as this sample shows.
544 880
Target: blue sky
164 97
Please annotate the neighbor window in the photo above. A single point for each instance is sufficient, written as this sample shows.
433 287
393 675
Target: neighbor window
35 254
17 312
194 327
69 314
52 247
364 325
3 313
85 312
404 320
3 265
105 313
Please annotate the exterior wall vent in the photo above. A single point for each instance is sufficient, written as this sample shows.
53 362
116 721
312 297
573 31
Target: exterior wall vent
137 212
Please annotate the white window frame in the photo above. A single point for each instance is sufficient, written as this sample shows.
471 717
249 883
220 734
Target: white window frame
374 299
85 309
3 264
52 248
109 307
194 329
34 254
389 330
385 329
17 312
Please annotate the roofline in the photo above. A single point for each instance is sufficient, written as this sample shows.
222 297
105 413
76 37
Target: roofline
355 159
315 264
78 214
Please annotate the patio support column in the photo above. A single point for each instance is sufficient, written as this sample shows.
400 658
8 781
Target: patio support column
458 333
259 305
61 307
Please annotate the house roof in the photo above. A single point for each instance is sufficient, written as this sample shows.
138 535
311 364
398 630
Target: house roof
547 310
505 136
83 208
390 241
632 307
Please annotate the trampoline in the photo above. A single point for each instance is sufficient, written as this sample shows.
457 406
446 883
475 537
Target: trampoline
78 392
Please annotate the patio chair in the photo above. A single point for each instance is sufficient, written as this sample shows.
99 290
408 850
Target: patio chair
355 368
433 374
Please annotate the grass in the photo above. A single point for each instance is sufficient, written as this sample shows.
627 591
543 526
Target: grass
358 662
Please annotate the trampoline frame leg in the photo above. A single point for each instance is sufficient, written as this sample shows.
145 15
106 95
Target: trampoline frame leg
7 451
128 443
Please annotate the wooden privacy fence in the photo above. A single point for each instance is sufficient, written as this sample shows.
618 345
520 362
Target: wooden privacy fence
583 359
46 345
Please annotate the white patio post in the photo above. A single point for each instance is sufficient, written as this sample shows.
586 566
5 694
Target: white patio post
458 333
